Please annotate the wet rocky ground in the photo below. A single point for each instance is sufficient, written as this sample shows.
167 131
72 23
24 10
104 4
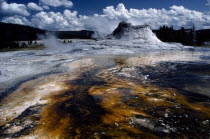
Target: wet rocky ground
115 100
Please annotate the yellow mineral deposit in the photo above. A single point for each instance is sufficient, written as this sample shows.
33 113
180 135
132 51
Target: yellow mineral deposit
56 121
28 94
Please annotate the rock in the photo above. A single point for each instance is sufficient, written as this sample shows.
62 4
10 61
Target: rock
143 121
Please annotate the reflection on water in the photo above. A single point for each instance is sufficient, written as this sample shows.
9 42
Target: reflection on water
148 95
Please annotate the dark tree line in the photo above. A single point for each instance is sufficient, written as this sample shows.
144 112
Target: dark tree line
11 34
169 34
202 36
182 35
83 34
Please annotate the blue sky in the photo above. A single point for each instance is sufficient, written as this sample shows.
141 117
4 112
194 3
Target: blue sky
96 5
88 7
104 15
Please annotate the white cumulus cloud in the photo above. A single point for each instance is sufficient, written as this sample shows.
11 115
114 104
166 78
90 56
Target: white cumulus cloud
13 9
46 7
16 20
34 6
178 16
57 21
57 3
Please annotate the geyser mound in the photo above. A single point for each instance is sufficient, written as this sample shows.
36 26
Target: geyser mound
126 31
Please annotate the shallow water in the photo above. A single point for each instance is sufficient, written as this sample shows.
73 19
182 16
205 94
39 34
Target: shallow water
161 94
